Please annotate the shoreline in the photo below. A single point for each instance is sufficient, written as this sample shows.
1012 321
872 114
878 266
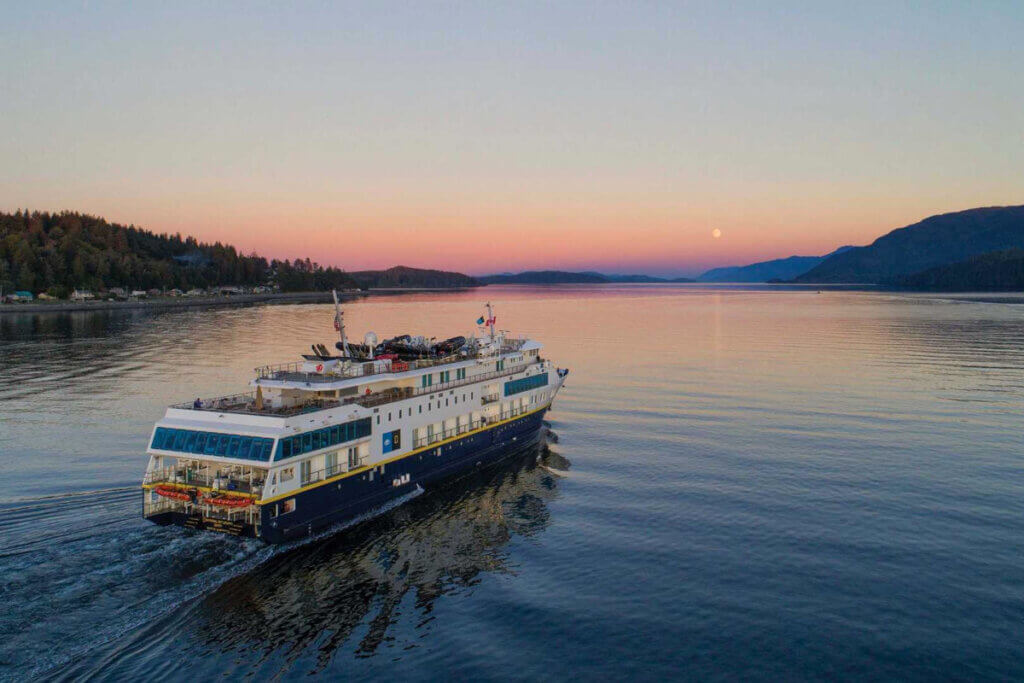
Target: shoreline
209 301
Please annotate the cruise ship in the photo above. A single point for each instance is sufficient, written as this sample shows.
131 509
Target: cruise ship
334 436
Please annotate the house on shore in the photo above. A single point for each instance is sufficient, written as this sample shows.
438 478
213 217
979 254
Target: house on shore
82 295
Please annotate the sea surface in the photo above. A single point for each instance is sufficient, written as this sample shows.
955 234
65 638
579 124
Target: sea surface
762 483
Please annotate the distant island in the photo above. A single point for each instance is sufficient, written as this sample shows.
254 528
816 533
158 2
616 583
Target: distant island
776 270
58 255
403 277
561 277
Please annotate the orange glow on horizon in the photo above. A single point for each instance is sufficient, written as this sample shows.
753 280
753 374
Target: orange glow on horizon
489 239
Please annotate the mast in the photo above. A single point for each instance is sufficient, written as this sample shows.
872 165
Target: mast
339 323
490 319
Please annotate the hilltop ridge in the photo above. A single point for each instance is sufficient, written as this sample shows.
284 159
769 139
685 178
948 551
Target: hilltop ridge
936 241
56 253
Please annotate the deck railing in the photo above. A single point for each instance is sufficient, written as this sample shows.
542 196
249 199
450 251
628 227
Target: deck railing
328 472
295 372
398 394
188 477
246 403
428 439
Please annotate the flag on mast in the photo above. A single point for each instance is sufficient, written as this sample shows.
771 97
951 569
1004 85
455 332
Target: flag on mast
480 320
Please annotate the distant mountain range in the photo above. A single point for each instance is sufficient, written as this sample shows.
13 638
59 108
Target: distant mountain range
767 271
932 243
561 277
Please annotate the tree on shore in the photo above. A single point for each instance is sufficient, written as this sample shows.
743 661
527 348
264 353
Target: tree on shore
60 252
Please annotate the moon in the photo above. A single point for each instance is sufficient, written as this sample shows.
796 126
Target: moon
716 233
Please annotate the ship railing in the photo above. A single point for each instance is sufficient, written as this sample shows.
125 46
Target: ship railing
490 398
441 435
296 372
189 477
246 403
398 393
512 344
512 412
248 514
328 472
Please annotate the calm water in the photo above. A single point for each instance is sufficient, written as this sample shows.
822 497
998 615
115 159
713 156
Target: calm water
770 484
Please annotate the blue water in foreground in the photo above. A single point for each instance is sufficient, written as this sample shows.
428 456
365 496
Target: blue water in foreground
771 484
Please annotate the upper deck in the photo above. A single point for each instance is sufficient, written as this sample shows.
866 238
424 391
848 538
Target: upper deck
341 375
377 378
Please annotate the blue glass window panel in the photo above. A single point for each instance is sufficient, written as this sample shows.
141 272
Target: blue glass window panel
233 447
525 384
200 443
244 445
179 440
190 441
307 443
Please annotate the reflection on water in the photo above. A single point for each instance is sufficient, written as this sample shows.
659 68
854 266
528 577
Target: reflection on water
302 604
433 546
765 483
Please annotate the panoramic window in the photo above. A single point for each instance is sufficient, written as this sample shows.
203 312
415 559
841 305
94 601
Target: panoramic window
211 443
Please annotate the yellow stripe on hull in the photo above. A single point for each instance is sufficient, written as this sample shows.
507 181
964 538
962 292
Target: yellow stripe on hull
366 468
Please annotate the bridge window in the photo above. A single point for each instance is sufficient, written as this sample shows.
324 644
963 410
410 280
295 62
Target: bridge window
517 386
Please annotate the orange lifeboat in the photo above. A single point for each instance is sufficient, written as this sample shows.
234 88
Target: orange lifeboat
168 492
227 501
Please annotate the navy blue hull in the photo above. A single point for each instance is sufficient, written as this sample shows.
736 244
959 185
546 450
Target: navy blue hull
346 498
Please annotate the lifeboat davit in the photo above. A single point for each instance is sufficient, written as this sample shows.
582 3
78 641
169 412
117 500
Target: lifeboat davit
227 501
168 492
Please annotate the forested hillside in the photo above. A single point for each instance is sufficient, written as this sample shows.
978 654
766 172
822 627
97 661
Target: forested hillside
936 241
59 252
403 276
999 270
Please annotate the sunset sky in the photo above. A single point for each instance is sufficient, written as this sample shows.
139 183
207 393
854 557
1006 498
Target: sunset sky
486 137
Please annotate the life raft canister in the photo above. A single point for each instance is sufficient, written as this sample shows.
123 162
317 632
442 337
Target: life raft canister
168 492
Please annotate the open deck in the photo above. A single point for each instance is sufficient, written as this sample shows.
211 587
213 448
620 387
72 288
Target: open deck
294 372
246 403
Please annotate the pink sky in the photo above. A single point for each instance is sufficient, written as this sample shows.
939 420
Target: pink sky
501 137
624 238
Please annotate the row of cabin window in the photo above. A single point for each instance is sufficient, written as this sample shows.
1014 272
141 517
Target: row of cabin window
442 377
430 405
211 443
516 386
322 438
